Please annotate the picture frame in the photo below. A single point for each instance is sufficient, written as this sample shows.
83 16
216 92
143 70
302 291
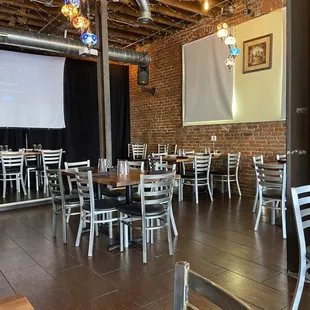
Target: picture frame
257 54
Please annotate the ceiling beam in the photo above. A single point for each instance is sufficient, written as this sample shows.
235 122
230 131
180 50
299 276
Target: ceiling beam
114 33
31 6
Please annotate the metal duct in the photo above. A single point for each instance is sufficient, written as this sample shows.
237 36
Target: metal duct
144 7
35 41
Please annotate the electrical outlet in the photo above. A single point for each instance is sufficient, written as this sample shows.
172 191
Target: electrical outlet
213 138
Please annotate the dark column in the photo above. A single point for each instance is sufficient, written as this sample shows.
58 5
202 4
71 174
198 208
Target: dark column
298 117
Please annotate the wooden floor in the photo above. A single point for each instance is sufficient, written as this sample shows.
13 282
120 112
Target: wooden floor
216 238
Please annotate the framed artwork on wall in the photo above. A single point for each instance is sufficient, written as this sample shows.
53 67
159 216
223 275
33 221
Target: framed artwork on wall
257 54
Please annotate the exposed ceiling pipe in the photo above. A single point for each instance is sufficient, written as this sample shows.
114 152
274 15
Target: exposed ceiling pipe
42 42
144 7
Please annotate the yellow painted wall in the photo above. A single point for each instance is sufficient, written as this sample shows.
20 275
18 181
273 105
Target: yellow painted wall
258 95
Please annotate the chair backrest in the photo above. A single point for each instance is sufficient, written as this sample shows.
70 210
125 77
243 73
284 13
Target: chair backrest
51 158
202 166
258 159
129 153
31 160
139 151
136 165
271 177
233 162
159 156
281 156
186 153
11 160
162 148
174 149
152 162
55 184
301 197
165 166
84 182
76 164
186 280
156 189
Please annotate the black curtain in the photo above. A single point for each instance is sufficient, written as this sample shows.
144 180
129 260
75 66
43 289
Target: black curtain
80 138
120 111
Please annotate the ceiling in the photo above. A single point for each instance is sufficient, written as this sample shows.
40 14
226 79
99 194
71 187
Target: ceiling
169 16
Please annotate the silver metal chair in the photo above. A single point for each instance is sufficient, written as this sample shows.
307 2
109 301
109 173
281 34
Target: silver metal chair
280 156
93 211
129 152
199 176
12 170
31 165
156 202
301 197
257 160
72 180
61 203
162 148
272 189
230 175
139 151
186 280
51 159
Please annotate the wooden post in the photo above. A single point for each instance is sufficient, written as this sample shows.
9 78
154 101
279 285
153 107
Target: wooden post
106 80
298 117
100 86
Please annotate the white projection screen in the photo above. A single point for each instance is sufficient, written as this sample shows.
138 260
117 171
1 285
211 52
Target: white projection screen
207 83
31 90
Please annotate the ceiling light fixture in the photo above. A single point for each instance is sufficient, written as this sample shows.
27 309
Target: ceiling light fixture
89 38
206 5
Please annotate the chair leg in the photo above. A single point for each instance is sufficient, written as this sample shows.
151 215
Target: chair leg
64 225
23 184
54 221
180 191
210 192
229 190
97 226
152 231
259 212
222 184
169 234
17 184
4 187
91 237
211 182
273 213
174 226
28 179
144 244
79 233
238 186
255 200
126 232
283 213
37 181
121 232
68 215
300 284
109 216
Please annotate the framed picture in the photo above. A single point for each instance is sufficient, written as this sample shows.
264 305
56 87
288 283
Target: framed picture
257 54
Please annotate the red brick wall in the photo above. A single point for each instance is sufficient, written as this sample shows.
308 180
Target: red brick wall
158 119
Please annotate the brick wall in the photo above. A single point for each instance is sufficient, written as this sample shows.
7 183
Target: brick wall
158 119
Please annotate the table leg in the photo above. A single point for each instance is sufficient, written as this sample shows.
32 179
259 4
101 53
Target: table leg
129 194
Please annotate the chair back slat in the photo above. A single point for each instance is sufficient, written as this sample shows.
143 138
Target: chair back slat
76 164
11 160
280 156
162 148
271 176
51 158
186 280
136 165
84 182
139 151
129 153
55 184
233 162
165 166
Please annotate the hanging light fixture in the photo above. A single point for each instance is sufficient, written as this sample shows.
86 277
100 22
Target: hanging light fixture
230 62
230 40
70 11
222 31
88 38
75 3
234 51
206 5
81 23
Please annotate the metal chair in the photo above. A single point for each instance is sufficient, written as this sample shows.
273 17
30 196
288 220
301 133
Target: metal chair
51 159
139 151
93 211
280 156
301 197
61 203
272 187
31 165
230 175
162 148
72 180
129 152
257 160
199 176
156 202
185 280
12 170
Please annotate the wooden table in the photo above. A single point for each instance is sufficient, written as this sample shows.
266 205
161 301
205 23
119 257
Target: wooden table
16 302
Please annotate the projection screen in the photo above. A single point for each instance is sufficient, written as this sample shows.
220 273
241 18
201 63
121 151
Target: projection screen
31 90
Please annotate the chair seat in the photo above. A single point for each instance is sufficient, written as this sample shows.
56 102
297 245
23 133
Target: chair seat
114 193
103 204
69 199
272 193
135 209
308 252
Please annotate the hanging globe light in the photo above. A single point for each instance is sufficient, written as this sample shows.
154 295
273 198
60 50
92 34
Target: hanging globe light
222 31
81 23
70 11
89 38
230 40
234 51
230 61
75 3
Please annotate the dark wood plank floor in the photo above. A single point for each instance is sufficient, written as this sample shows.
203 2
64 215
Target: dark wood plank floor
216 238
